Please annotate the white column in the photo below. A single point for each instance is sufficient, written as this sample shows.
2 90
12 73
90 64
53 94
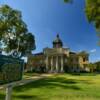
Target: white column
62 64
57 64
47 63
52 64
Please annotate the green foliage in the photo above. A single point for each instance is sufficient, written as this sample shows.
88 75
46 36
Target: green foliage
13 31
68 1
97 64
93 12
92 67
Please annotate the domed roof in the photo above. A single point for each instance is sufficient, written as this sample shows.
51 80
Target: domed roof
57 43
57 40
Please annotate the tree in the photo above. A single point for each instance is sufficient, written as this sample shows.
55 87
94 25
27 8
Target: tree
97 64
93 12
92 67
68 1
14 34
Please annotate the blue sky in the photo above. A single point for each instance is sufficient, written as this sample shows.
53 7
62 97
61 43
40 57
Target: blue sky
46 18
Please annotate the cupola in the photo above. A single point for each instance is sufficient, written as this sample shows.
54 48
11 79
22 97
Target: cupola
57 43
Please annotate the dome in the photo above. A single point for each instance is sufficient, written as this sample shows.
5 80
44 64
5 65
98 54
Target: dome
57 42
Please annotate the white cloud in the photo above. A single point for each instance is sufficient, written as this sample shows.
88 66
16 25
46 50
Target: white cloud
93 51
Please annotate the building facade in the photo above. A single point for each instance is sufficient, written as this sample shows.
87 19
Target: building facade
59 59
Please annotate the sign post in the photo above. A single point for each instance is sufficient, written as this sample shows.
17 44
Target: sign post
8 92
11 70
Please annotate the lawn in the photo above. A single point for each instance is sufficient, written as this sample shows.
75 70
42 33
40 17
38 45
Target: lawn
60 87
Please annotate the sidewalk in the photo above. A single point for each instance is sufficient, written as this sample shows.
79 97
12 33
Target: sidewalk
26 81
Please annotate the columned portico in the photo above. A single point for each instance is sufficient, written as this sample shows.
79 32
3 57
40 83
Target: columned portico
62 64
54 57
51 64
56 63
47 63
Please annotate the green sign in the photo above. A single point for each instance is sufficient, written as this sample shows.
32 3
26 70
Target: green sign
10 69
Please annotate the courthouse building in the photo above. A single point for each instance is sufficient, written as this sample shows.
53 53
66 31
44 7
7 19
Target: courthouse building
59 59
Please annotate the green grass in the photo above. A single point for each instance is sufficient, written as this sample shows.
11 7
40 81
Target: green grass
60 87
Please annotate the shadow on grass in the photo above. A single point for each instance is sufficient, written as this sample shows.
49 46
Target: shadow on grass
59 82
2 96
27 97
84 74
